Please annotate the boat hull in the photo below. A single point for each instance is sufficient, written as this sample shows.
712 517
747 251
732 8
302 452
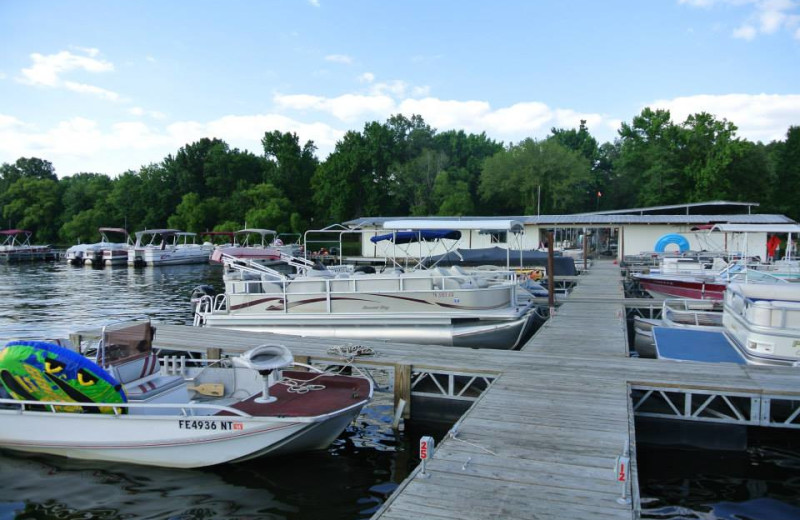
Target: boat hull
422 330
662 288
168 441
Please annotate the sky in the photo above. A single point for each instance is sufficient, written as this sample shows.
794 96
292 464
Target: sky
107 87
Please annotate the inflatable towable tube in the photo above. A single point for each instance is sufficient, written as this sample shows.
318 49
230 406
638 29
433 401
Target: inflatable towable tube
40 371
672 238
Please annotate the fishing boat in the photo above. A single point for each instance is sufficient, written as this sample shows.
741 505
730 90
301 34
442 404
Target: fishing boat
93 254
167 247
15 246
125 404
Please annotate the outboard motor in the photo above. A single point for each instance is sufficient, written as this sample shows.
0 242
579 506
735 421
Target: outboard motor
368 269
200 291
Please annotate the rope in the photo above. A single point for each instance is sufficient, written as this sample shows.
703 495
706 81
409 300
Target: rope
453 435
351 351
347 352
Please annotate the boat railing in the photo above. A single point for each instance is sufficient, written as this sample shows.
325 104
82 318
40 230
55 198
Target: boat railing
185 408
770 315
692 312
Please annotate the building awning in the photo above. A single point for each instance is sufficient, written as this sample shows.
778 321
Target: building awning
514 226
757 228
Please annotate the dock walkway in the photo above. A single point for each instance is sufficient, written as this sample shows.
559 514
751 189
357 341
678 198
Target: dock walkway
542 441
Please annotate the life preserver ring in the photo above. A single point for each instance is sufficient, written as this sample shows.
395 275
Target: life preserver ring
671 238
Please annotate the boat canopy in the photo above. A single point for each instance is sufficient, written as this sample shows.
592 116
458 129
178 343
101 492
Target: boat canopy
407 237
757 228
15 232
514 226
562 265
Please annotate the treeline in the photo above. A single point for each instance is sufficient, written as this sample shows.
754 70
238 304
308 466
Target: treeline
405 167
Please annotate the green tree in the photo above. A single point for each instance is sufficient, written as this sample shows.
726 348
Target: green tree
511 180
788 175
649 163
709 147
291 169
269 208
34 204
195 214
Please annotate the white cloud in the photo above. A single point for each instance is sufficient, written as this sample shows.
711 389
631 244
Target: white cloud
348 107
764 16
315 3
339 58
759 117
91 89
367 77
83 145
745 32
46 71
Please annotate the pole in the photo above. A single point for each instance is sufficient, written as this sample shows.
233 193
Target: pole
551 281
585 247
539 200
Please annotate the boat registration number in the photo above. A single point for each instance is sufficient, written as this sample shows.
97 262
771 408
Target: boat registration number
185 424
440 294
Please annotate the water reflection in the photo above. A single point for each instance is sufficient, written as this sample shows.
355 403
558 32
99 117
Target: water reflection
52 300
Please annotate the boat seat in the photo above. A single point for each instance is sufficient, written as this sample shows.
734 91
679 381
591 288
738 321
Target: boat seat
154 386
133 369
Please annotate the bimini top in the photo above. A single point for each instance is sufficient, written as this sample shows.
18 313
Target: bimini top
420 235
515 226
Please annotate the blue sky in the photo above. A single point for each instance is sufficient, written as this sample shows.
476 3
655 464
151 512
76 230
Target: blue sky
105 87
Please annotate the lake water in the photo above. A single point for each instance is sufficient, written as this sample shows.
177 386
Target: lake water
351 479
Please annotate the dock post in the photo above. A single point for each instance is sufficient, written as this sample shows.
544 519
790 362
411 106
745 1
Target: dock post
402 388
621 471
551 279
213 353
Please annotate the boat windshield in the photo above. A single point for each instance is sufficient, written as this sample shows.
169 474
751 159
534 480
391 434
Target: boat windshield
124 343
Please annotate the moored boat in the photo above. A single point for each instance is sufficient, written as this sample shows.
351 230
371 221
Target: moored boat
437 306
127 405
167 247
15 246
94 254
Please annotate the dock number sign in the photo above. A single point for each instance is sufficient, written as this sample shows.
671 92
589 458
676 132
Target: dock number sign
425 448
621 469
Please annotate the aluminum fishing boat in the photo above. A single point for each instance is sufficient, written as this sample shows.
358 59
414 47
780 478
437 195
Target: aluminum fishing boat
127 405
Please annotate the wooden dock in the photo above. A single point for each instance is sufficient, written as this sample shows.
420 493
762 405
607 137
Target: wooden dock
542 441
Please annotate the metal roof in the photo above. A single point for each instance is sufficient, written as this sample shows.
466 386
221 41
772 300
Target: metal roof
590 220
686 207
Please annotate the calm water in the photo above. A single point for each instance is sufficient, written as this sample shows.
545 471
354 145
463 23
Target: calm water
351 479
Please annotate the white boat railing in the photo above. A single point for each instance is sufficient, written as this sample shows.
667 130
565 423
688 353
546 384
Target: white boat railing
185 408
692 312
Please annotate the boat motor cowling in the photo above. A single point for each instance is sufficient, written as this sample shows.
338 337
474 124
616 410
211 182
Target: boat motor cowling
200 291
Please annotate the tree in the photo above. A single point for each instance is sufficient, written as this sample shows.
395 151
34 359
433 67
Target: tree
34 203
649 163
511 179
269 208
709 147
291 169
788 175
